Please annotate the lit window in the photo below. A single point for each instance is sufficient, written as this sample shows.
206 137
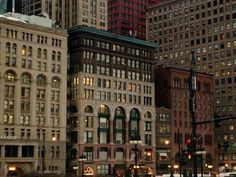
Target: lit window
23 51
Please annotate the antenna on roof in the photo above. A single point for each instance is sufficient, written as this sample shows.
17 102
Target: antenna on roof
13 6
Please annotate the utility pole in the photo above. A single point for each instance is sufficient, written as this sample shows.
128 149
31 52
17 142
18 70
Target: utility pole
192 106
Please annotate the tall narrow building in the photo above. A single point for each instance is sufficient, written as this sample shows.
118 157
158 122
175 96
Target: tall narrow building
209 28
111 100
128 18
33 84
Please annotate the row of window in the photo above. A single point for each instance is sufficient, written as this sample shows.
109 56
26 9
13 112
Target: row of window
226 90
119 137
183 30
221 46
117 85
115 47
26 119
28 51
173 8
195 34
41 80
109 96
194 17
26 151
9 133
184 84
30 37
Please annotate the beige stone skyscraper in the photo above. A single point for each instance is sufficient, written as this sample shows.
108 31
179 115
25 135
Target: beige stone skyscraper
33 83
66 14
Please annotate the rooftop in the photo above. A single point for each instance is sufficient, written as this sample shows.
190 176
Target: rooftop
112 35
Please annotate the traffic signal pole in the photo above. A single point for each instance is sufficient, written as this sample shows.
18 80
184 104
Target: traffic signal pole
192 109
192 106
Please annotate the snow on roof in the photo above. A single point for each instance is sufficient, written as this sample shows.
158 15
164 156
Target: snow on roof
33 19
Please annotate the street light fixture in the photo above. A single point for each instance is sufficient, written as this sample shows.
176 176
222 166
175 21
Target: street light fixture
135 140
12 169
82 158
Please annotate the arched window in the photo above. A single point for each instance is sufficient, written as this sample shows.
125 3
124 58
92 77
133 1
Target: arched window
103 124
30 51
45 54
88 109
58 56
119 126
103 109
73 109
14 49
53 55
147 115
8 47
134 113
119 111
10 77
23 50
55 82
25 79
39 53
134 122
41 81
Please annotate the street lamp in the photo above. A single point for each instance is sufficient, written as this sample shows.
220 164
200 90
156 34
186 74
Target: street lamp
12 169
82 158
135 140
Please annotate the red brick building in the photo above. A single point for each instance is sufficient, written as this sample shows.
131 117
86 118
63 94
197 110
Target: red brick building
128 17
172 92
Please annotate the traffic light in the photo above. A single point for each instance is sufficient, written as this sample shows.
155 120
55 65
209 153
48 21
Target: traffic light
185 156
189 148
226 145
217 123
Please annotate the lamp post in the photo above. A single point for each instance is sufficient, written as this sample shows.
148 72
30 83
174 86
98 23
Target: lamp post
43 153
82 158
135 140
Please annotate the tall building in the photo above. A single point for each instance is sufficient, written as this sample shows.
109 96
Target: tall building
172 92
128 18
54 10
111 100
66 14
208 28
33 84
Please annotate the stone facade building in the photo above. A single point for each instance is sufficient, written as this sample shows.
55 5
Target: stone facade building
111 100
33 81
